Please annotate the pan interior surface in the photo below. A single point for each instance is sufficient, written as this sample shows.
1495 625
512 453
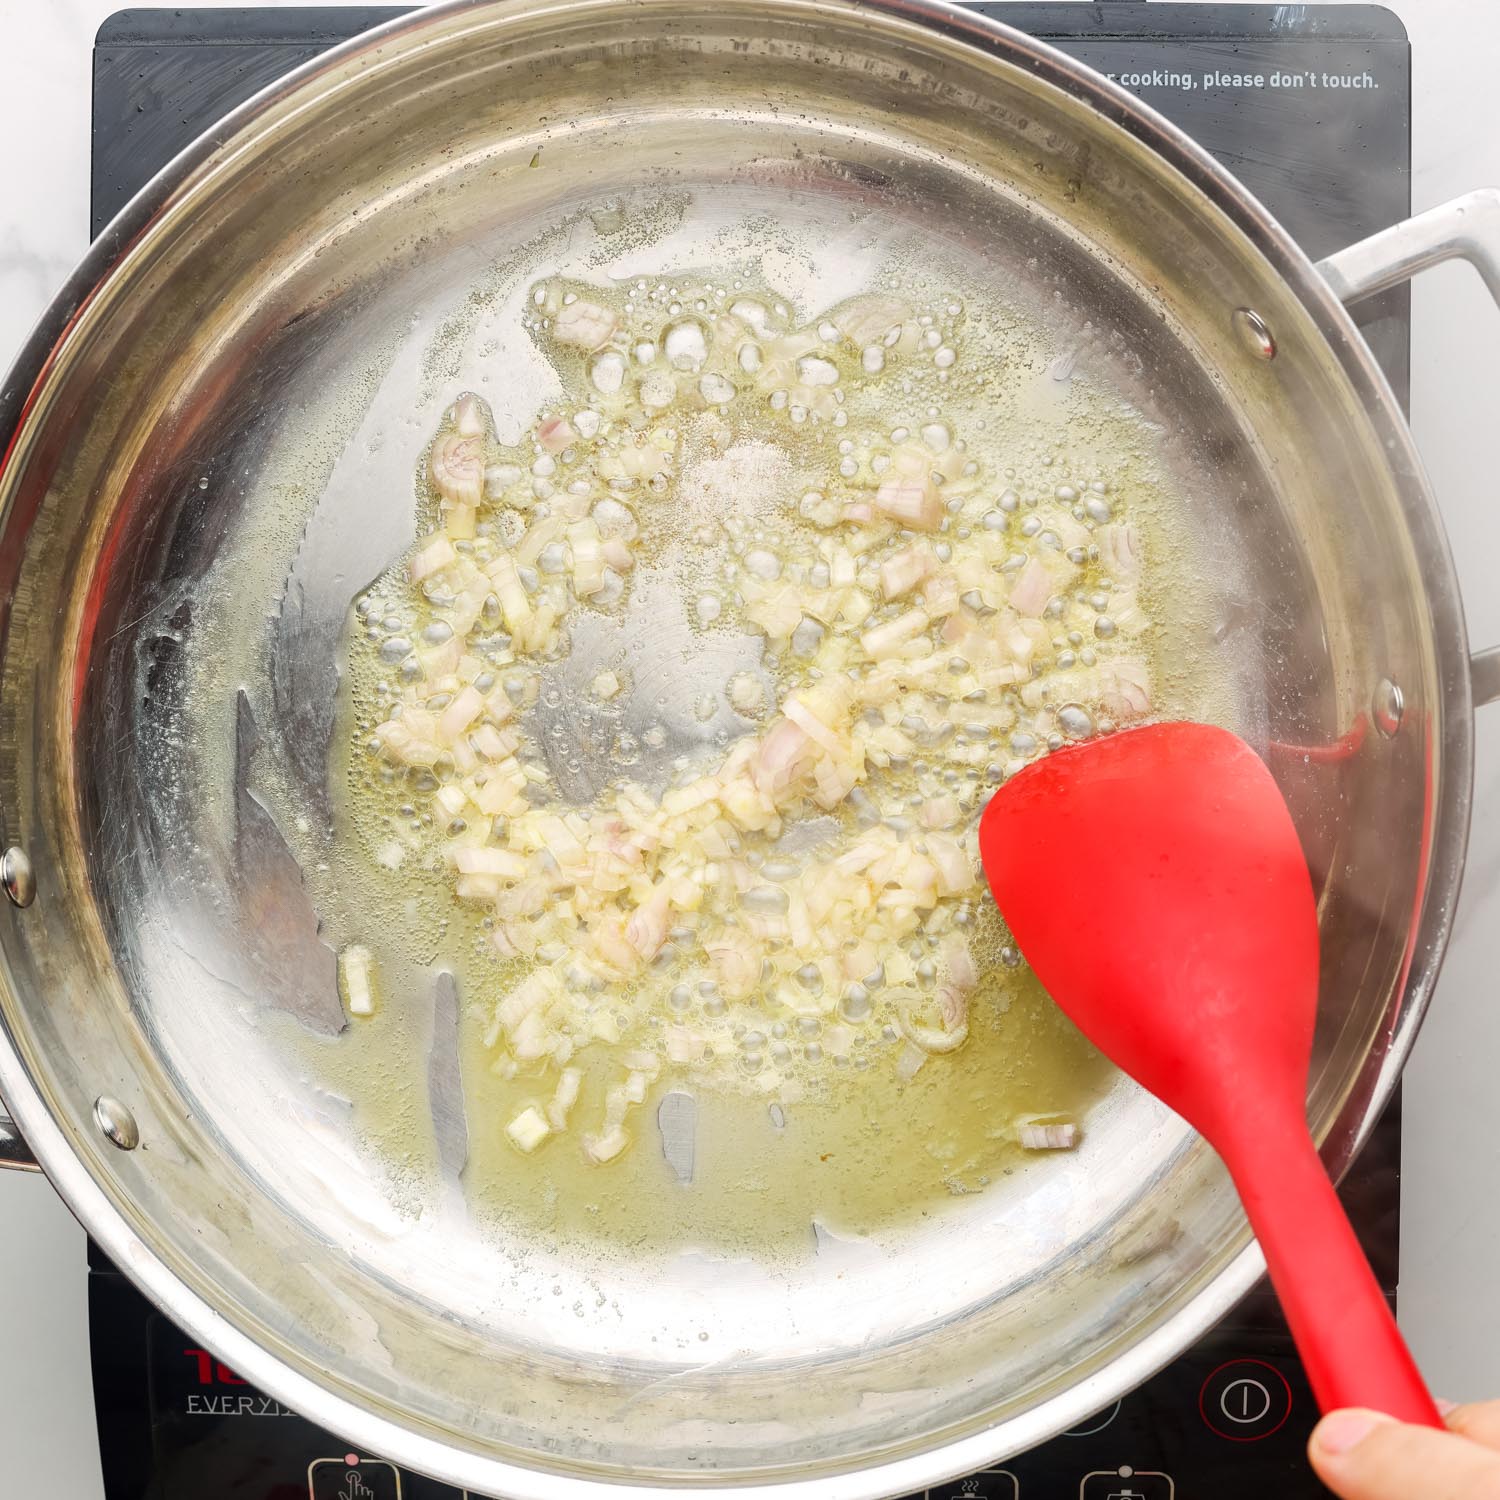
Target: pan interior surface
225 460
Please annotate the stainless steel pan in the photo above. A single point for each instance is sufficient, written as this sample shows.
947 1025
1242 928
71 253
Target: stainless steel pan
211 384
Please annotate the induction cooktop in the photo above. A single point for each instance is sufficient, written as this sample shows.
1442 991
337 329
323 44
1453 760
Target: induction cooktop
1311 107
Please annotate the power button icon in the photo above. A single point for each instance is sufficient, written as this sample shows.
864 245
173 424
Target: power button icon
1245 1400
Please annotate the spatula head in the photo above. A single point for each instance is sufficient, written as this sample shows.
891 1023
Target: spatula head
1155 882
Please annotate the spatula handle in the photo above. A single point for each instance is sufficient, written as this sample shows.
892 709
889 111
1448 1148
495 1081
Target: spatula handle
1353 1352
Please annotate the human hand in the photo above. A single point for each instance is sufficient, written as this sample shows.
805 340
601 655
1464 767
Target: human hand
1362 1455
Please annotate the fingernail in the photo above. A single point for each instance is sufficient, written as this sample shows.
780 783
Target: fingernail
1445 1408
1340 1431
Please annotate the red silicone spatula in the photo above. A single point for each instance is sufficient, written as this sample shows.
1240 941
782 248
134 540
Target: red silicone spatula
1156 885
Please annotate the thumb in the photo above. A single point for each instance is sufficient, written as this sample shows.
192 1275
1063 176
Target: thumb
1364 1455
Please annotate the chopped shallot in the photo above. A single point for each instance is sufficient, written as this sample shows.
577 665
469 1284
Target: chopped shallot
911 500
569 1082
867 320
939 812
529 1129
903 572
555 434
1033 588
646 930
607 1145
1120 550
891 637
471 416
1036 1136
781 754
1125 687
355 964
803 889
585 324
437 552
457 468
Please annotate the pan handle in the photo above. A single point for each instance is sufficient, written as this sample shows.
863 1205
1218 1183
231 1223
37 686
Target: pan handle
13 1150
1466 228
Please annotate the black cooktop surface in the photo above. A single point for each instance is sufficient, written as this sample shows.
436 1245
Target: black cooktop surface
1310 106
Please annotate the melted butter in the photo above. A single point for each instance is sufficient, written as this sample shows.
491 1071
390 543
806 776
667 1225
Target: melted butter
854 1147
860 1151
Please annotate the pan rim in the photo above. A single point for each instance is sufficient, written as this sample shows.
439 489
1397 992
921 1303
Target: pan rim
172 189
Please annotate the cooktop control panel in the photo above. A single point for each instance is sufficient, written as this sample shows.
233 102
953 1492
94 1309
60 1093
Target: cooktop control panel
1227 1421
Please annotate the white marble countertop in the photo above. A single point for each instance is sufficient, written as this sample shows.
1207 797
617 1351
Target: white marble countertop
1450 1285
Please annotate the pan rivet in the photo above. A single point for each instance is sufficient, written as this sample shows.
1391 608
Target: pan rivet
17 876
117 1123
1388 707
1252 329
